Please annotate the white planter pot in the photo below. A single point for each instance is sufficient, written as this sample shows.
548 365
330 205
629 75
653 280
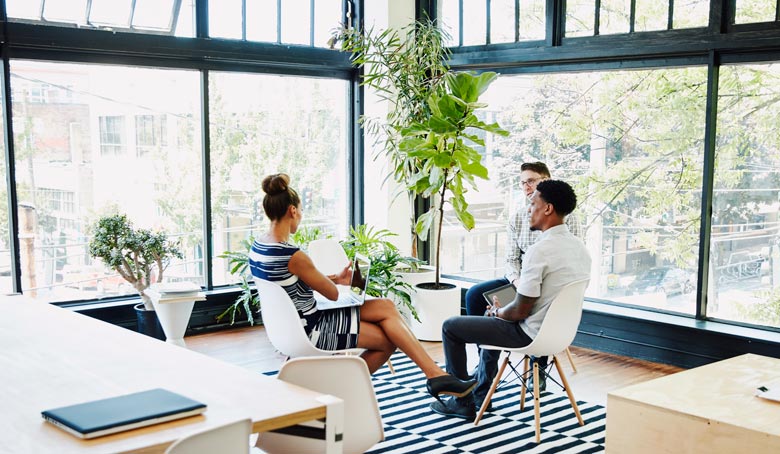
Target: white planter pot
424 273
433 307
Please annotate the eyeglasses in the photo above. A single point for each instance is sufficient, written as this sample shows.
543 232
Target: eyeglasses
530 182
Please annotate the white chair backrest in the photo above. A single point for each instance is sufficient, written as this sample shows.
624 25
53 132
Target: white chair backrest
282 323
328 256
345 377
232 438
561 321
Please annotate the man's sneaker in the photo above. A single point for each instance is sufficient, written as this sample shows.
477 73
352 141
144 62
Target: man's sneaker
456 408
542 383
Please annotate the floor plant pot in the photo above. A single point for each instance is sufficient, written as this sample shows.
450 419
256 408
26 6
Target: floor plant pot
148 323
433 306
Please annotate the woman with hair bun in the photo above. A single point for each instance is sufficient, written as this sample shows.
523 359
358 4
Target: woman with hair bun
376 326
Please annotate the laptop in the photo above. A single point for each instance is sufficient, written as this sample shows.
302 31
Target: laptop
355 294
117 414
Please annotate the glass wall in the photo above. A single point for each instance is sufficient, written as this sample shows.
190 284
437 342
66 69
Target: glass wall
91 140
631 142
263 124
745 245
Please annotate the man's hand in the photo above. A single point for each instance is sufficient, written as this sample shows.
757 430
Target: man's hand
492 310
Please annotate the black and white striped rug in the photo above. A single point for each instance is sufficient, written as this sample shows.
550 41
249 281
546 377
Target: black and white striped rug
411 427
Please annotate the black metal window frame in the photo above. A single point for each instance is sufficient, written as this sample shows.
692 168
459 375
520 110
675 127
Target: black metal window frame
721 42
46 42
721 17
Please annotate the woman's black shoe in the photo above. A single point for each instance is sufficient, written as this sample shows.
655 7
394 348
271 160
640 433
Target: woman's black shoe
447 384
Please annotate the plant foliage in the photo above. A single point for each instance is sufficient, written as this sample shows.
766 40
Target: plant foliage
138 255
443 146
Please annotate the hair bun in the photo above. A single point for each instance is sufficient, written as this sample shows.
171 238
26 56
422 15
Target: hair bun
276 184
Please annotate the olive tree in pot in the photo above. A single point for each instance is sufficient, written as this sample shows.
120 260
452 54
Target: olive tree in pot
448 163
140 256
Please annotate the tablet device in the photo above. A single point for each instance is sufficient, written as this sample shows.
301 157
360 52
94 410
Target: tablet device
506 294
116 414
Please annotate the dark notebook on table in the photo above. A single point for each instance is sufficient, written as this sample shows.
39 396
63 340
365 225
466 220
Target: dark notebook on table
116 414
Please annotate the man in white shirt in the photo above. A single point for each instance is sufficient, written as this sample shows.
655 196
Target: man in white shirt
555 260
520 237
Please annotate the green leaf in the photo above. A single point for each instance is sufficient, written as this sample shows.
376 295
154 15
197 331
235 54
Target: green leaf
424 223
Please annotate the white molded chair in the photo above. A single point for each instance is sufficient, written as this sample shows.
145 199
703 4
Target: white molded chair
328 256
231 438
556 333
283 325
345 377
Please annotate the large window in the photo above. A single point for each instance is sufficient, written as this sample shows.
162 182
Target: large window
261 125
745 245
632 144
72 166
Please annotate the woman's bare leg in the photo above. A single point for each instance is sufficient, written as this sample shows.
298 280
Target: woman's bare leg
382 313
372 336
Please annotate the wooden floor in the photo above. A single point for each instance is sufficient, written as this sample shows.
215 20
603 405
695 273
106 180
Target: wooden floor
598 373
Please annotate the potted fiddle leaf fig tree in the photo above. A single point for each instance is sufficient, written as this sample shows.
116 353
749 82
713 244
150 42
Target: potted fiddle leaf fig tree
443 146
140 256
404 67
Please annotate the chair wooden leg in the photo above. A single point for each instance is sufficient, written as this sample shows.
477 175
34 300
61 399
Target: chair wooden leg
493 387
537 416
524 388
390 366
571 360
568 392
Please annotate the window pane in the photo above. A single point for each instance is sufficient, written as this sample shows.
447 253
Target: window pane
185 22
691 13
474 23
24 9
262 124
450 17
110 12
614 17
745 252
225 21
580 17
261 20
532 20
755 11
502 21
631 144
327 18
154 14
73 11
651 15
74 127
296 21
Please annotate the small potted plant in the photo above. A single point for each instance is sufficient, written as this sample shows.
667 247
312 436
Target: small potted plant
385 280
140 256
247 301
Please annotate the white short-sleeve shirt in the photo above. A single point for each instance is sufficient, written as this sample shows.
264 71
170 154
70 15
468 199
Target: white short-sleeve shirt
557 259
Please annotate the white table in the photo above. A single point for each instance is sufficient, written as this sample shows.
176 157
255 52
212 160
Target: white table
51 357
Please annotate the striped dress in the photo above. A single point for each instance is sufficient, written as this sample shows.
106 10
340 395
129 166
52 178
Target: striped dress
333 329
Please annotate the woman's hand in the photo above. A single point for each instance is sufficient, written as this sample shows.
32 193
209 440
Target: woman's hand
344 277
